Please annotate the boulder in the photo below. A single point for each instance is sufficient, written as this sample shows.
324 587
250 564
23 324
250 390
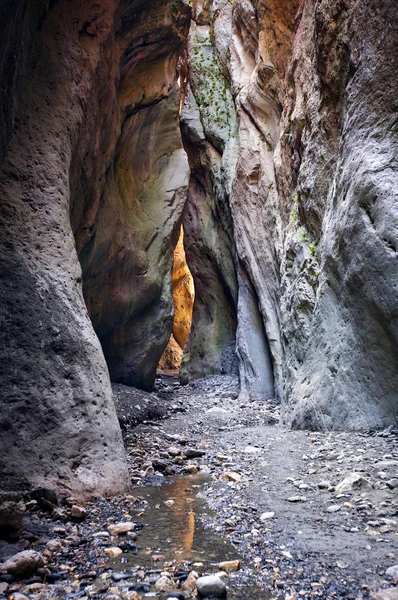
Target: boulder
24 564
211 586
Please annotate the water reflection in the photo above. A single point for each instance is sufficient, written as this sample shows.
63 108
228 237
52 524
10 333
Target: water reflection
173 532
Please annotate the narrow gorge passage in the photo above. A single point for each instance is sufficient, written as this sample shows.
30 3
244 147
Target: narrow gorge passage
198 299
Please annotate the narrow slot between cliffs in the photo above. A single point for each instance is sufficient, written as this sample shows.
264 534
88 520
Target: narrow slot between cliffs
183 291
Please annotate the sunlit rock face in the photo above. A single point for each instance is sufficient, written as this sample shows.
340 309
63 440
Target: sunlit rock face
291 108
183 292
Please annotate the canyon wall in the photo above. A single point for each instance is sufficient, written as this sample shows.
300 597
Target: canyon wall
301 124
338 168
269 129
87 139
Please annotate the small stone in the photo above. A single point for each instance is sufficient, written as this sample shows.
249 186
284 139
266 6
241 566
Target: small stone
120 528
229 565
333 508
392 484
189 584
54 546
101 534
11 515
131 596
3 587
113 552
266 516
59 530
392 573
193 453
353 482
324 485
131 499
78 513
23 564
169 502
164 584
297 499
173 451
231 476
211 586
192 469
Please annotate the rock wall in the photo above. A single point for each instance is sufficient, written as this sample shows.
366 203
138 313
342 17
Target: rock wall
127 232
87 136
208 126
301 127
338 171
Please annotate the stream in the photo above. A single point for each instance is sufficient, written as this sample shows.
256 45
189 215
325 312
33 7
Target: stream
174 538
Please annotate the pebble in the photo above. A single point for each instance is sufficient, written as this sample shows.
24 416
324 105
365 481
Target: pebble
353 482
266 516
229 565
193 453
164 584
333 508
78 512
114 551
392 573
120 528
192 469
211 586
297 499
231 476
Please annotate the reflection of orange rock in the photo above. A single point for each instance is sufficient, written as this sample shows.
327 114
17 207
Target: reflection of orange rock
183 294
184 520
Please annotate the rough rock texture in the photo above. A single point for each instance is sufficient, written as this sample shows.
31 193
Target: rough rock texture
339 163
127 227
171 357
310 179
209 242
90 140
12 510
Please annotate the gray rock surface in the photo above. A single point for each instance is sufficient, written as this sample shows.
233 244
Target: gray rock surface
211 586
11 515
307 155
23 564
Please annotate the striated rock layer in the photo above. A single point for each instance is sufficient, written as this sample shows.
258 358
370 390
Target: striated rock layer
87 137
293 108
127 227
